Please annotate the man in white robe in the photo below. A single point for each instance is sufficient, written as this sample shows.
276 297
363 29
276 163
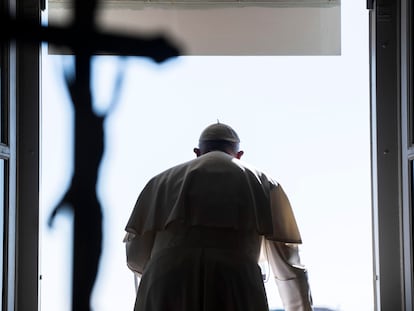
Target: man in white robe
197 230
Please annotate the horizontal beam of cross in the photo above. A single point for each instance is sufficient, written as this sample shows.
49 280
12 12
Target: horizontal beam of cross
88 41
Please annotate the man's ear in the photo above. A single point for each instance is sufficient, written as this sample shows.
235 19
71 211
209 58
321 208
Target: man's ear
239 154
197 152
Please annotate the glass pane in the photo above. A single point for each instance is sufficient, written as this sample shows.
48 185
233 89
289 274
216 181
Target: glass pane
2 213
2 107
411 204
2 94
411 67
305 120
411 111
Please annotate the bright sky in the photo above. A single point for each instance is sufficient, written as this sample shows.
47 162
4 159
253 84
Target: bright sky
304 120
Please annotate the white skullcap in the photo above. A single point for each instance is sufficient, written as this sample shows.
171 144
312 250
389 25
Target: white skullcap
219 131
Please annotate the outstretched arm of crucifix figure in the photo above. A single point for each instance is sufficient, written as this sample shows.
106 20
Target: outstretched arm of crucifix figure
69 198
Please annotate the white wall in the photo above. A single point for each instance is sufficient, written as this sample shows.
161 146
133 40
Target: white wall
226 30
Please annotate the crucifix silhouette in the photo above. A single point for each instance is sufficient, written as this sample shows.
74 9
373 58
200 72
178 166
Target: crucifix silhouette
86 40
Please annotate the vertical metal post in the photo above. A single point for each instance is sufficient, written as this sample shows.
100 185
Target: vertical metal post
27 168
386 155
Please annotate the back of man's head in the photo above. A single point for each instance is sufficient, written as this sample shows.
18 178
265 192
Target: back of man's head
218 137
219 132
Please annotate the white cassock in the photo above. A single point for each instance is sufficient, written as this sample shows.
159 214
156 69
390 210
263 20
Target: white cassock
196 233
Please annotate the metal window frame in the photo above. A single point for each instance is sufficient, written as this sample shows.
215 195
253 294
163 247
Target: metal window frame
392 154
20 150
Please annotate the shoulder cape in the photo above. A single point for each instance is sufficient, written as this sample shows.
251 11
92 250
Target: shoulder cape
215 190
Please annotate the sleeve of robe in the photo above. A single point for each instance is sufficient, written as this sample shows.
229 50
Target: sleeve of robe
138 250
283 256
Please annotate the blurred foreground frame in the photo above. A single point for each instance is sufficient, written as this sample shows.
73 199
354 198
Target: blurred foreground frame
84 39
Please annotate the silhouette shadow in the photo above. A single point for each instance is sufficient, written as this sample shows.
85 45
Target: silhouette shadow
81 198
